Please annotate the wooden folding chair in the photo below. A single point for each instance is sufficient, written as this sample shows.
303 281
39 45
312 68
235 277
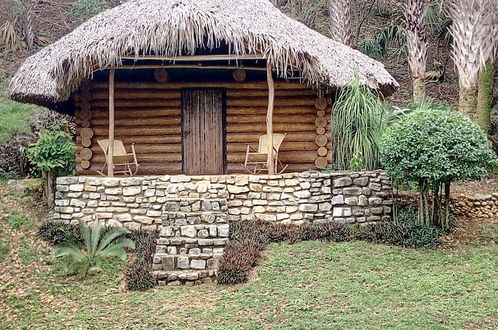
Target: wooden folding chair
123 161
256 161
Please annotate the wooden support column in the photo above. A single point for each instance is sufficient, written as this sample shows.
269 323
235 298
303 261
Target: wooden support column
269 118
110 150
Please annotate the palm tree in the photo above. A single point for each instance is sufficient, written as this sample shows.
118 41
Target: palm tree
471 31
486 76
416 40
341 21
79 258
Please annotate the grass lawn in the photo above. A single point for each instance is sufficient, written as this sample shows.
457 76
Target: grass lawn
306 285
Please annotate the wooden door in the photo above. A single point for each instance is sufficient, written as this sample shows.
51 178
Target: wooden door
203 131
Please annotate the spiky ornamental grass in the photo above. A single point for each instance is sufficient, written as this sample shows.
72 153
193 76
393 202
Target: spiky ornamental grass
341 23
416 39
357 125
80 258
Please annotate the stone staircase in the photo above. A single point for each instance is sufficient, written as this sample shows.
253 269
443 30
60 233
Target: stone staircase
192 239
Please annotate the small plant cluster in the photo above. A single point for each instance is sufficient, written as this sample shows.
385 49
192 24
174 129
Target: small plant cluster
249 238
98 244
138 274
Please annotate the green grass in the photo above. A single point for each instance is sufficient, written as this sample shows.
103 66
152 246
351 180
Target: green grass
14 117
306 285
19 221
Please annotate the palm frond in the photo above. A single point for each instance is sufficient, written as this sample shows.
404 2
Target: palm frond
111 235
85 234
95 235
117 248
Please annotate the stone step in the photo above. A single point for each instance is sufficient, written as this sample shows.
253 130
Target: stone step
189 277
177 241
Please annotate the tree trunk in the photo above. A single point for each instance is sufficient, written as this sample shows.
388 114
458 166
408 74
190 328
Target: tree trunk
485 97
468 101
418 89
447 190
49 188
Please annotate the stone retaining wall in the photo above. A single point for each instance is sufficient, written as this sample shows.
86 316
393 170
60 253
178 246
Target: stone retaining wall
138 202
480 205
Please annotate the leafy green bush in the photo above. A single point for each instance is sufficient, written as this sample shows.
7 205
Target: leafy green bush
19 221
81 259
138 274
14 118
435 148
53 152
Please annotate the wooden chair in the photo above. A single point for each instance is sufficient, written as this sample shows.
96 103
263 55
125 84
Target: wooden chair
123 161
256 161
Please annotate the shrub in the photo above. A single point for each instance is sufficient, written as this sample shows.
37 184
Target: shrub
138 274
77 258
53 152
434 148
237 261
60 232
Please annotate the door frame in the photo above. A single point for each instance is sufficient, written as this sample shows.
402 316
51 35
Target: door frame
223 123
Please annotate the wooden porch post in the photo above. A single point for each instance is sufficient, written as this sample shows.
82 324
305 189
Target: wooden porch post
110 150
269 118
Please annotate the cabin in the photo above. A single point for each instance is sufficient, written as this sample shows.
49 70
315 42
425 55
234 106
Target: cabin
188 85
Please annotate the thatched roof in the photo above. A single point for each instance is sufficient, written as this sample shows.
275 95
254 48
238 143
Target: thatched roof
170 27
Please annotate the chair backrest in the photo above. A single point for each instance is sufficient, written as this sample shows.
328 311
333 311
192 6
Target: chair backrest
277 142
119 148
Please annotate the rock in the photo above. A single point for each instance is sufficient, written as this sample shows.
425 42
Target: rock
338 200
308 207
302 194
342 182
198 264
362 182
132 190
237 190
341 212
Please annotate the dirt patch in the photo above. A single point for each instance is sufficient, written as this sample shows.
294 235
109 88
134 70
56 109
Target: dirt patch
483 187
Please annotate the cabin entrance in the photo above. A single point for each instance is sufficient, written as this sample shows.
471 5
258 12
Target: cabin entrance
203 131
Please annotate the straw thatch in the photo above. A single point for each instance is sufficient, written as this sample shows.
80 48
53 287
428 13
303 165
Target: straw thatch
170 27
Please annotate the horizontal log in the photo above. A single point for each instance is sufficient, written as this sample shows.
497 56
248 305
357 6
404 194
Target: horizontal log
137 103
276 111
134 94
290 157
164 168
169 85
261 102
148 158
277 127
249 119
121 113
148 131
142 149
128 140
236 168
254 137
149 121
286 146
264 93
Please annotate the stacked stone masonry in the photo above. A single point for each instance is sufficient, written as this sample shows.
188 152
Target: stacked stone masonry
193 235
479 205
138 202
193 213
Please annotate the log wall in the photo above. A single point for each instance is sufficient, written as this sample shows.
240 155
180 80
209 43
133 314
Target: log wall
149 115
